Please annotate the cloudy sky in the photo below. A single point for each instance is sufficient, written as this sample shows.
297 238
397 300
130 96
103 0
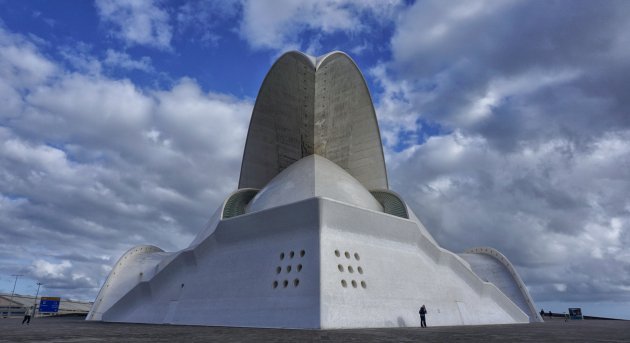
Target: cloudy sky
505 123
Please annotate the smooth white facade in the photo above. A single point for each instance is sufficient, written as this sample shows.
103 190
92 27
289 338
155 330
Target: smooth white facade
313 248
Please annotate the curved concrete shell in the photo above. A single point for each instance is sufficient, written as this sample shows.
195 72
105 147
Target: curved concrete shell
313 177
307 255
306 108
313 238
490 265
129 270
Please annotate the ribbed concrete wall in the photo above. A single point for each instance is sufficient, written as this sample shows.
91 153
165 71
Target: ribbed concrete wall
346 130
281 128
304 109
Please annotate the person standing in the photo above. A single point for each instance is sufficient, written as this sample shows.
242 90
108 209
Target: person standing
27 315
423 313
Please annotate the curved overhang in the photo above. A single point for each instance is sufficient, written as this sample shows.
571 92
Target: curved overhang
346 122
280 125
392 202
236 203
499 257
125 274
307 106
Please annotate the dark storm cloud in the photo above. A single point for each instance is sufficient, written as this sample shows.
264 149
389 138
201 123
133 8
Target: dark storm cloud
541 67
534 154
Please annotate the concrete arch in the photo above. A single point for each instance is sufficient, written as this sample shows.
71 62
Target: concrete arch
346 129
509 283
236 203
126 274
311 106
281 128
392 202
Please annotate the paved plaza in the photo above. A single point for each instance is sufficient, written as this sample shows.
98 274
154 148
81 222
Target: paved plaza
77 330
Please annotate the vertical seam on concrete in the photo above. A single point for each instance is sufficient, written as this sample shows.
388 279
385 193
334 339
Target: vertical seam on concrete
320 264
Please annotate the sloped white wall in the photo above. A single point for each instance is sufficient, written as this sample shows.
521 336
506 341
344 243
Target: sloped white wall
401 270
236 276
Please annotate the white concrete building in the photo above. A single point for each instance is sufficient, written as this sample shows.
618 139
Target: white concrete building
313 237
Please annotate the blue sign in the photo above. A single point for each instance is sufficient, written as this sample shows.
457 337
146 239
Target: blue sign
49 304
575 313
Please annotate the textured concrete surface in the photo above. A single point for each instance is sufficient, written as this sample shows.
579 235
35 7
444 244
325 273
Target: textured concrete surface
492 266
303 109
78 330
245 273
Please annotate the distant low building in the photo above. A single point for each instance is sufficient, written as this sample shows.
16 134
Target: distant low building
17 304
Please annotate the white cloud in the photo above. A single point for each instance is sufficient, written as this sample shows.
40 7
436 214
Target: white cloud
88 159
499 89
80 58
530 101
278 24
396 112
359 49
533 145
21 64
48 270
124 61
561 217
430 24
137 22
560 287
198 20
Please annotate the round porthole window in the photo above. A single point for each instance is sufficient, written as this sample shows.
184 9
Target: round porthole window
296 282
288 269
302 253
299 268
282 256
354 284
278 269
291 254
350 269
363 284
360 270
344 283
347 254
275 284
356 256
337 253
340 267
285 283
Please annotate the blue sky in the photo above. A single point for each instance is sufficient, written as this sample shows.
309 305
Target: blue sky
504 124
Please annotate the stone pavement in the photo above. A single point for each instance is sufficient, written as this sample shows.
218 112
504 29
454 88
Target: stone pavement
77 330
